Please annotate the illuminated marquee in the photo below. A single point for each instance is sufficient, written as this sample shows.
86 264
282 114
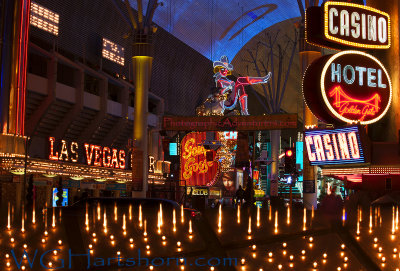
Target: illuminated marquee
44 18
354 87
332 147
196 169
340 24
93 154
113 52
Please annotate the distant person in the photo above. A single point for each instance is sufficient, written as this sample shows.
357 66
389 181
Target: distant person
332 206
190 197
239 195
249 193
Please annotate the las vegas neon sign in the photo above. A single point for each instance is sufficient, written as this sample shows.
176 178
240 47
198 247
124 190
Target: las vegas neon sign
94 155
338 146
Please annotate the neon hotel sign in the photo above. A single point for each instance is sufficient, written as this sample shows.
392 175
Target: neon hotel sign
330 147
354 87
93 154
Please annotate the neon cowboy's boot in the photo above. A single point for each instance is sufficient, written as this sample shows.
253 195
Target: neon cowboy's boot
243 104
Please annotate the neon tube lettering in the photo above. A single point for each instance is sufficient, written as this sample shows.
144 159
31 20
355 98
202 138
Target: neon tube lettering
355 18
344 23
355 152
327 143
371 27
344 149
333 29
382 30
335 146
309 142
319 148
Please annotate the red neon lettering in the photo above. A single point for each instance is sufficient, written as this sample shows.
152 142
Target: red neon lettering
106 157
319 148
122 159
89 156
52 156
355 152
350 106
344 149
329 154
114 160
309 142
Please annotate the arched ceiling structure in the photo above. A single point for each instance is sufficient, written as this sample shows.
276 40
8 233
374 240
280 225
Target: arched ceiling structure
221 27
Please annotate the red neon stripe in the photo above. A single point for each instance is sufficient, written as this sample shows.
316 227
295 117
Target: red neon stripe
27 18
18 86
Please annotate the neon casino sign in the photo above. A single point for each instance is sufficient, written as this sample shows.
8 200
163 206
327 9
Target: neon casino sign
339 24
198 165
338 146
354 87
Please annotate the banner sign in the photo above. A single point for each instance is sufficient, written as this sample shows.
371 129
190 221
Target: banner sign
341 25
226 123
335 147
347 87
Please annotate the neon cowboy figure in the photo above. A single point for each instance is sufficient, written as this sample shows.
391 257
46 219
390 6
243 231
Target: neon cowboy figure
234 91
